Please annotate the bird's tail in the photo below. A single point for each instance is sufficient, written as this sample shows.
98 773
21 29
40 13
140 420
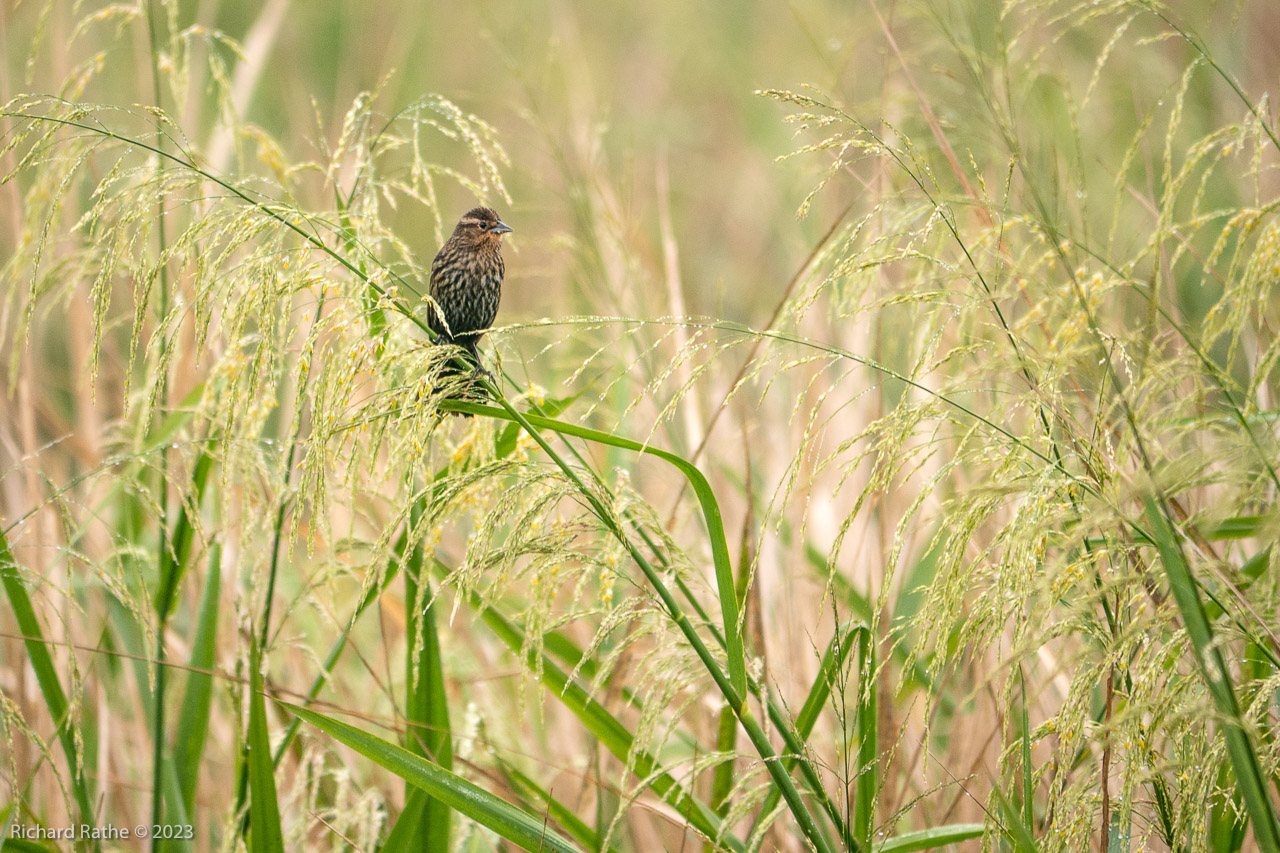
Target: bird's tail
457 377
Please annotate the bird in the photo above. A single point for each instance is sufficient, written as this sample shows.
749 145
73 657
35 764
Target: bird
466 282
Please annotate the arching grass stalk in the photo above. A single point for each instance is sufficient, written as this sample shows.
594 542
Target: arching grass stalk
735 654
792 733
1055 239
733 696
606 728
1250 777
1159 506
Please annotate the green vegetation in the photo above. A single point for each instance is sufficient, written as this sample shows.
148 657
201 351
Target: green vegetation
938 517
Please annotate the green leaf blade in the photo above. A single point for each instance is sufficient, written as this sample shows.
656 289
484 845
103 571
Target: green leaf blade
265 833
484 808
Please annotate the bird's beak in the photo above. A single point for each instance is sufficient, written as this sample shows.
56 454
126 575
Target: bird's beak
502 228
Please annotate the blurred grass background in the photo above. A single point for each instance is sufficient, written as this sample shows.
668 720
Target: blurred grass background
644 182
601 92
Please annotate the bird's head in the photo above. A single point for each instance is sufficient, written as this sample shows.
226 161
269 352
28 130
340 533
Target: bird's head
481 227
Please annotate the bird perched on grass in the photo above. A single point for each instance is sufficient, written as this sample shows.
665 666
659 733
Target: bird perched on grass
466 281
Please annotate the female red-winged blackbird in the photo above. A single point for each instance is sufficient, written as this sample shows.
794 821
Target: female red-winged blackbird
466 280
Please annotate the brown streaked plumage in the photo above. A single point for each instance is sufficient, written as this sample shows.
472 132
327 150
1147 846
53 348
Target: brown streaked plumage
466 280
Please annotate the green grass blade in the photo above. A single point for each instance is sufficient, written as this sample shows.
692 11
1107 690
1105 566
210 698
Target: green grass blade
560 813
727 726
426 823
428 709
193 718
927 839
1164 811
832 660
517 826
1118 834
404 831
1227 820
1028 771
265 834
175 560
1217 676
176 812
1237 527
722 780
868 744
46 675
1020 836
